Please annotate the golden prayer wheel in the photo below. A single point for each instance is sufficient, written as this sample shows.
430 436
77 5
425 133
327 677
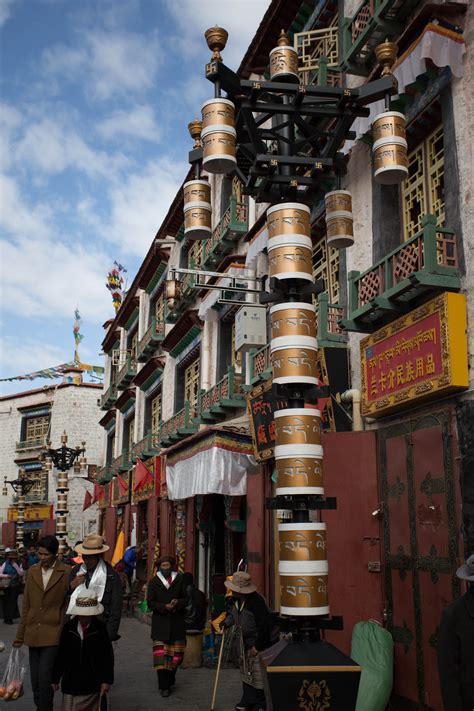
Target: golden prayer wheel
218 112
62 481
302 548
290 257
339 219
390 160
388 124
299 474
288 218
293 319
284 60
294 364
304 594
197 220
197 191
219 148
298 425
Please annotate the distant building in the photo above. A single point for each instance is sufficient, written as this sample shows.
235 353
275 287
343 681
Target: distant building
28 420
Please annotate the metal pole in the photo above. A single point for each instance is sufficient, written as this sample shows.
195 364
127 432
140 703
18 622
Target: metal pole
21 518
61 510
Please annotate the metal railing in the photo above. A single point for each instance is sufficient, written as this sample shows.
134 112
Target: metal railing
26 444
182 420
226 390
260 364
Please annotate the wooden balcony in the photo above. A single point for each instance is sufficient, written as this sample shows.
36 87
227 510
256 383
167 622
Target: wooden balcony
233 224
422 266
150 340
224 397
147 447
104 475
31 444
125 462
260 365
126 373
109 397
179 426
330 333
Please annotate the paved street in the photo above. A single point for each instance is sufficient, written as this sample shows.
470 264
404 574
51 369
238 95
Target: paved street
135 688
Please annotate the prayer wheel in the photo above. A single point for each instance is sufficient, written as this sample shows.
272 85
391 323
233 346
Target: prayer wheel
292 319
294 364
62 480
302 548
304 594
290 257
390 148
198 220
284 61
298 425
219 148
299 474
339 219
288 218
218 112
197 191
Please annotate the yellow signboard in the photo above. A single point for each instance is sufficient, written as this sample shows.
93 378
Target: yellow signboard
32 513
418 357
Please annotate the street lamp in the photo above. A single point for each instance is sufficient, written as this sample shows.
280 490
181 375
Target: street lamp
21 487
63 459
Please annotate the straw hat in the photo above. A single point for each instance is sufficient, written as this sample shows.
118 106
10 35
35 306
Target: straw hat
240 583
93 544
87 604
466 571
12 552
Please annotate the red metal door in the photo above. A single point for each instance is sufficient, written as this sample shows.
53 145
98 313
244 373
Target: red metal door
421 511
353 532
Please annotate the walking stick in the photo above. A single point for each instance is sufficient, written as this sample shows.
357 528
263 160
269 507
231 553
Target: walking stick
219 663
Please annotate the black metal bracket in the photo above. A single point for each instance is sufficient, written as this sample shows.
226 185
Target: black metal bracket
290 290
302 503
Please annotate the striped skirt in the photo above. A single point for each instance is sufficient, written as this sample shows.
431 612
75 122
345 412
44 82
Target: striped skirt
90 702
168 655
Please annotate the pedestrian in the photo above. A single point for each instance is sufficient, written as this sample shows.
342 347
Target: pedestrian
85 662
195 620
97 574
23 557
42 616
251 616
33 557
456 646
3 556
13 571
166 598
130 561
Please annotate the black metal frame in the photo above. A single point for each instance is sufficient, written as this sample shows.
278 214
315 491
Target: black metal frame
64 457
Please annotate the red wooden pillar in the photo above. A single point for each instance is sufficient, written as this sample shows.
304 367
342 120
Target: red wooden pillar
48 528
110 531
126 524
190 537
8 534
166 527
256 533
153 532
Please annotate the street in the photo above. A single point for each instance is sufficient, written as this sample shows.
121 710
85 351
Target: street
135 687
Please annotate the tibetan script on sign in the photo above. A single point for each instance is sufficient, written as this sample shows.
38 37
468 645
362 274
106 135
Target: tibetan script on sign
261 404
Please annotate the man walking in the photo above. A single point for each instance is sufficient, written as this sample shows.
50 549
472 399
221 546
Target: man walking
456 647
44 605
95 573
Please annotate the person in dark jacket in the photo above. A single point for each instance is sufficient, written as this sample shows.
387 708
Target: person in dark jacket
166 598
98 575
85 661
456 647
250 614
12 569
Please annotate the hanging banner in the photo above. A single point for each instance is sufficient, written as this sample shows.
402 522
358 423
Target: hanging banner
120 494
142 492
104 500
418 357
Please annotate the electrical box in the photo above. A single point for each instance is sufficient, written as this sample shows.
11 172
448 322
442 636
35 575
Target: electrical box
250 327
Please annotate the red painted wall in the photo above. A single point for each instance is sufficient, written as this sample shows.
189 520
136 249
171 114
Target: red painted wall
153 532
257 535
190 537
110 531
8 534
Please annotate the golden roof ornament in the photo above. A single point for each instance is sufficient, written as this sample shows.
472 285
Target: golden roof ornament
194 128
386 54
216 38
283 39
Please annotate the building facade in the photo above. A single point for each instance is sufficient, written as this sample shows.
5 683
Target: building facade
394 343
30 420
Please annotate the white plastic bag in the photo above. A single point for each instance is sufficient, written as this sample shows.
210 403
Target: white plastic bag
12 684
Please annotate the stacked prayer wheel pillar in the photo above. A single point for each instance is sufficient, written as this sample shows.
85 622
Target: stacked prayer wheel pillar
61 509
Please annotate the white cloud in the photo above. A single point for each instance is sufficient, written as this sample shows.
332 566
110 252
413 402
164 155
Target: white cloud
5 10
18 218
139 122
107 63
10 120
20 354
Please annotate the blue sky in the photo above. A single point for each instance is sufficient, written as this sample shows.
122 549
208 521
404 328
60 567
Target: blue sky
95 100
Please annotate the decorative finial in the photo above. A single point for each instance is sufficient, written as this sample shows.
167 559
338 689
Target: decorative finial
283 39
386 54
195 128
216 38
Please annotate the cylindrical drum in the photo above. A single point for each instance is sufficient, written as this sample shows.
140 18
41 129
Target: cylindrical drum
197 191
284 63
339 219
302 548
294 365
298 425
62 481
297 474
289 451
292 319
288 218
388 124
390 160
293 341
219 148
304 594
218 112
290 257
197 220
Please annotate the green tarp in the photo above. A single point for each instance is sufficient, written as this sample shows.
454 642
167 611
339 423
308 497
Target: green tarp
372 649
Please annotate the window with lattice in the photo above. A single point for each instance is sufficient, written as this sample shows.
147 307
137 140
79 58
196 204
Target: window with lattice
326 267
38 491
156 407
131 433
195 255
191 383
37 428
159 308
423 190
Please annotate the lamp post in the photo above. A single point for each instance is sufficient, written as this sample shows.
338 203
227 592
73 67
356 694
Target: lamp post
63 459
21 487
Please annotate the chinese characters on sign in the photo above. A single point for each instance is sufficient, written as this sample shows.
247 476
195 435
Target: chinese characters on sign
415 357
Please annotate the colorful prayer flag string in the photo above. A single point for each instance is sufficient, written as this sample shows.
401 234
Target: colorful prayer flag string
115 284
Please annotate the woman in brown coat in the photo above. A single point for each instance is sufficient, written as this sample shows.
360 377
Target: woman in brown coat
44 607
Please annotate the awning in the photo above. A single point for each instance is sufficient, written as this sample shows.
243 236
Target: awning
444 47
216 463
